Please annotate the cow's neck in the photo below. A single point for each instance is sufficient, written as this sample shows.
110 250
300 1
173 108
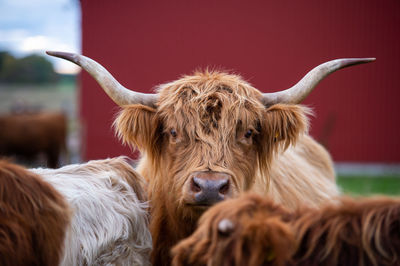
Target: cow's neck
167 229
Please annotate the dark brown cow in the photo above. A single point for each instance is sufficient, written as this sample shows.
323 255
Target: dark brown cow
33 218
253 230
27 135
211 136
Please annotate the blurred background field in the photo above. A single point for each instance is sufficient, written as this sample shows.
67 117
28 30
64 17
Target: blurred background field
57 96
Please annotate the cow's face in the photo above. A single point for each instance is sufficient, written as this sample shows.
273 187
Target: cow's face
208 138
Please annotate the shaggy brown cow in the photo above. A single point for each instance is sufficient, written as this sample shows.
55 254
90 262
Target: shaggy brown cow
29 134
253 230
211 136
33 218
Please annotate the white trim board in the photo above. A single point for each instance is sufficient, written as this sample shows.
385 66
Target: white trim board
367 169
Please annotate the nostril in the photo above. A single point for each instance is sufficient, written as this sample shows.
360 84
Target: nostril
224 188
194 186
208 188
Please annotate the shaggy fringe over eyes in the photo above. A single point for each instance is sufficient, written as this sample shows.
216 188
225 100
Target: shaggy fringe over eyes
33 218
347 232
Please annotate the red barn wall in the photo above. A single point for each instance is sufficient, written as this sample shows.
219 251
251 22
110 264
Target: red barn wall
272 44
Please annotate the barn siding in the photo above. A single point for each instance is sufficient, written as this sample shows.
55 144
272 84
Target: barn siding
272 44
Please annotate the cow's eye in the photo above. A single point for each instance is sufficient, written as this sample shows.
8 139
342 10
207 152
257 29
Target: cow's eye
173 133
248 134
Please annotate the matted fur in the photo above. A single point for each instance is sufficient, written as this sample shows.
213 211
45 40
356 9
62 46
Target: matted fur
356 232
110 221
33 218
261 232
210 114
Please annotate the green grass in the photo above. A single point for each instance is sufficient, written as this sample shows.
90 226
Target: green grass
367 186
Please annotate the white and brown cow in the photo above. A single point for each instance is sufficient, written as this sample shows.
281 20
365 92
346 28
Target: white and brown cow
109 223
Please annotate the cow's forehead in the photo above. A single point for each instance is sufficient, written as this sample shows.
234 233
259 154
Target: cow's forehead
201 84
209 90
213 100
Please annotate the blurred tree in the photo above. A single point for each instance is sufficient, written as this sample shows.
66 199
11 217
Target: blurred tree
29 69
6 60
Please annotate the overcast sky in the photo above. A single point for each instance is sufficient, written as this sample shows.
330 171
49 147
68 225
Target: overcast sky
34 26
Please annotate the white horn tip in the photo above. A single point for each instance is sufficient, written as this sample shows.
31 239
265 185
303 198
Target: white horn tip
67 56
346 62
368 59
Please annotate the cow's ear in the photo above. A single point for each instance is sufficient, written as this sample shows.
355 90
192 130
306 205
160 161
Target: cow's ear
138 126
284 123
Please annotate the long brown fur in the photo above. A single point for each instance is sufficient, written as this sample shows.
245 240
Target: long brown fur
350 232
33 218
211 112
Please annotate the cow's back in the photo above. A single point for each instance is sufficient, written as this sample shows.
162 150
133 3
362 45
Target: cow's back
303 174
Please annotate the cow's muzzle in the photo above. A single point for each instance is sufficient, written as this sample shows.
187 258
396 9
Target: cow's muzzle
207 188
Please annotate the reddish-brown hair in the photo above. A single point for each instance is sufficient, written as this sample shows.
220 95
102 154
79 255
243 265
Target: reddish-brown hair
253 230
355 232
33 218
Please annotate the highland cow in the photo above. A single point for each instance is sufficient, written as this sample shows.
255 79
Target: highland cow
211 136
253 230
33 218
27 135
110 217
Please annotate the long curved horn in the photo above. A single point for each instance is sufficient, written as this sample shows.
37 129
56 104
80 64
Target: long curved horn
300 91
118 93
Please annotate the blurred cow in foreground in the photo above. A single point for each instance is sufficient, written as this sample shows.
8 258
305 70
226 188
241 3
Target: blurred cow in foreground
211 136
33 218
253 230
26 135
110 213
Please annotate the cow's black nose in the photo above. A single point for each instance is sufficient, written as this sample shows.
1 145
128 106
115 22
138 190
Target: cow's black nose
210 187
